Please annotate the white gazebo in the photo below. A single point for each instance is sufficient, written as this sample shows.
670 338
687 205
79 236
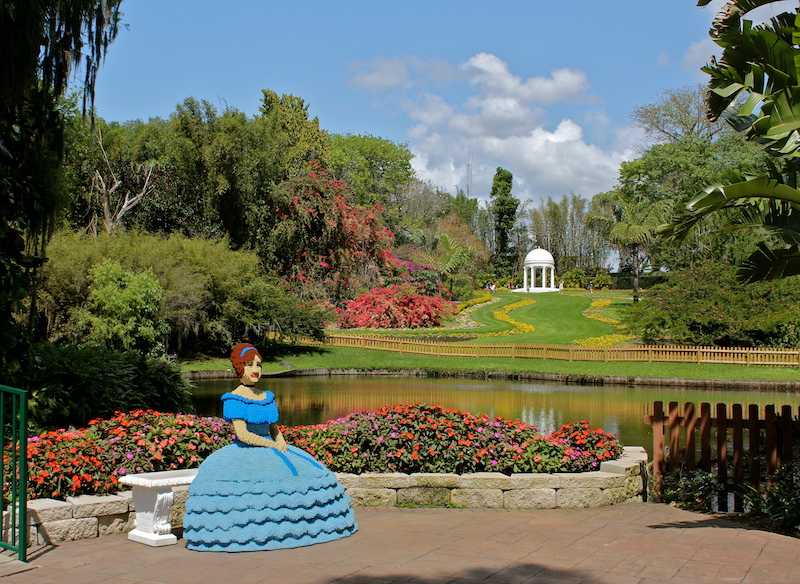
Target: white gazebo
538 272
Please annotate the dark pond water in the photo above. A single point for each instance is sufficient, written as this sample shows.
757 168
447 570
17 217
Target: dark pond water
621 410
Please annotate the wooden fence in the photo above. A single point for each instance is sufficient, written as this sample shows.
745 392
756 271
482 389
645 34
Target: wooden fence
648 353
742 450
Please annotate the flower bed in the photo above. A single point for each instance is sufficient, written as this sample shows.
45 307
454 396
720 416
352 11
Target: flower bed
406 439
433 439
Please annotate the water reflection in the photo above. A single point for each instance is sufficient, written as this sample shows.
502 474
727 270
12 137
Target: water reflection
621 410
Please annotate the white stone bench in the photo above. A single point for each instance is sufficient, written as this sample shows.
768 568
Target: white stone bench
152 499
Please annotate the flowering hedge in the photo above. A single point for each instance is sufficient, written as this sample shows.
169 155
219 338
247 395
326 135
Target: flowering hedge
394 306
418 438
90 460
424 438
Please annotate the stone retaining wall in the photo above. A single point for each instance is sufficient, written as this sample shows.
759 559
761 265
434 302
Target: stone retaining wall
617 481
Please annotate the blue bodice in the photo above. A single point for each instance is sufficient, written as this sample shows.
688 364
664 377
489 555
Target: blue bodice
258 414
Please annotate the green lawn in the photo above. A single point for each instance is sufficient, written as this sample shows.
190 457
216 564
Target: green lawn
557 319
347 358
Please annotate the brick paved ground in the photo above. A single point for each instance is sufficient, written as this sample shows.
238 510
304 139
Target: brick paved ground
636 543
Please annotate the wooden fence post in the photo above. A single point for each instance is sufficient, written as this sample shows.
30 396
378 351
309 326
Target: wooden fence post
722 456
754 424
674 437
690 421
705 437
770 440
786 434
738 458
658 448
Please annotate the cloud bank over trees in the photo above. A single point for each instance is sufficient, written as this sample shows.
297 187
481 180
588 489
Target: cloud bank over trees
469 118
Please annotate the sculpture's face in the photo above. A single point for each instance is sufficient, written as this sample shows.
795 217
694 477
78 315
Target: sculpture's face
252 371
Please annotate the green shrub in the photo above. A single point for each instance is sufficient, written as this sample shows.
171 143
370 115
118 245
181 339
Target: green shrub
121 311
780 499
602 281
695 490
462 288
575 278
707 305
70 385
211 298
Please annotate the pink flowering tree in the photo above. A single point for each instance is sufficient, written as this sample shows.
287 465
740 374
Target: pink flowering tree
319 240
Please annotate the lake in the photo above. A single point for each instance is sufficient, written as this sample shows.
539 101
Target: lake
621 410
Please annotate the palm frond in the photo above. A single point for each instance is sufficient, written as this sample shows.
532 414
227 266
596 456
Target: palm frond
770 264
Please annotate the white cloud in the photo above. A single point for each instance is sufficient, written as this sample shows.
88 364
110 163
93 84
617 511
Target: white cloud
501 120
379 74
492 76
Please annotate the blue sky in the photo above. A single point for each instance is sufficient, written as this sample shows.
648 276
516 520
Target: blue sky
543 89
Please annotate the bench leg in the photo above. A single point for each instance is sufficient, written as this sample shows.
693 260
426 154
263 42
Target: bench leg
152 506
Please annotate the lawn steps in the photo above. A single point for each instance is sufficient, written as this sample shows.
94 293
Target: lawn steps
618 481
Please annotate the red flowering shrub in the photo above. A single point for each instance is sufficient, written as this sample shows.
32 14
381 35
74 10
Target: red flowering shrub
394 307
587 446
401 270
90 460
65 463
418 438
148 441
422 438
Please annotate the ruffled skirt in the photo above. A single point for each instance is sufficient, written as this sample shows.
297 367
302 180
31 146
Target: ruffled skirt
249 498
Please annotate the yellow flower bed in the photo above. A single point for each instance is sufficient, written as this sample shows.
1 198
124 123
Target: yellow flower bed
601 317
503 314
474 302
604 341
595 312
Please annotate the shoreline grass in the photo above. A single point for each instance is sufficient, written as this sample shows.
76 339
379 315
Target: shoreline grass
557 319
302 357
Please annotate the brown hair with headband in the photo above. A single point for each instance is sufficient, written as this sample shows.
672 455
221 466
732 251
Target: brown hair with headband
241 354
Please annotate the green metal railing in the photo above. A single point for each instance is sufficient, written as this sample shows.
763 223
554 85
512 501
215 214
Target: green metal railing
14 423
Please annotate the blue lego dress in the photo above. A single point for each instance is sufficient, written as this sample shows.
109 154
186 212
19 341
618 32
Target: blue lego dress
248 498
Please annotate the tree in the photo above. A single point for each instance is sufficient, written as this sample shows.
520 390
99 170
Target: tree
297 140
41 43
122 311
315 237
676 114
754 87
563 228
504 209
630 223
414 212
449 258
115 205
375 169
675 171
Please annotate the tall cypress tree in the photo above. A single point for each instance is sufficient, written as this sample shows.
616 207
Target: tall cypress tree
504 210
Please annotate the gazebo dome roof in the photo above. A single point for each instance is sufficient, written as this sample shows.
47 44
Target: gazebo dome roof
539 257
